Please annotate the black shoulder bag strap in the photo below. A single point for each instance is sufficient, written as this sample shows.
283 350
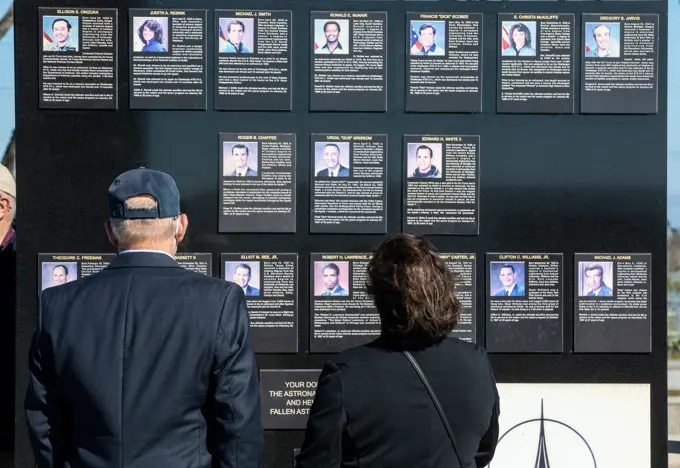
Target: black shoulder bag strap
419 371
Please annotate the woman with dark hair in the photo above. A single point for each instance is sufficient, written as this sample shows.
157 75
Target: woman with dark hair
373 407
151 34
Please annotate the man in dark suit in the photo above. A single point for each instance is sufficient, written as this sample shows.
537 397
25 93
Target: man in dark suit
331 155
242 278
594 274
144 364
508 278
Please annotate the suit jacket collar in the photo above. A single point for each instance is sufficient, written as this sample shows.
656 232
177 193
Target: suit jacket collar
143 259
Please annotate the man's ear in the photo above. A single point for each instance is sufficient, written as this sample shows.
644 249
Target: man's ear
182 226
5 207
109 234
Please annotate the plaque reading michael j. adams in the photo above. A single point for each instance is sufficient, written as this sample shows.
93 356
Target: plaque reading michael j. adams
78 58
349 183
286 397
464 267
197 262
620 64
442 184
343 314
444 69
536 63
524 303
253 60
257 182
348 71
167 59
58 269
612 298
269 282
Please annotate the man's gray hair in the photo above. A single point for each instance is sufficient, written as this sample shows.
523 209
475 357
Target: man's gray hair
131 231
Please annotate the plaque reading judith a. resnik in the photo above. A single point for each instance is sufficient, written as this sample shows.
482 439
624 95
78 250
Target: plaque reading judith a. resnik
253 65
348 61
78 66
269 283
257 182
167 59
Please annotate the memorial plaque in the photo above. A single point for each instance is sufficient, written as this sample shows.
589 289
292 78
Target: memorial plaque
269 283
619 68
349 183
536 63
167 59
253 60
464 267
286 397
524 305
57 269
441 177
257 189
444 68
343 315
348 61
198 262
612 303
78 58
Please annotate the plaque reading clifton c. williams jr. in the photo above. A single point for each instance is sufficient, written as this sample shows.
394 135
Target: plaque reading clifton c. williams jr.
464 267
619 67
253 60
348 61
269 283
342 313
444 69
197 262
612 303
536 63
78 58
257 182
349 183
167 59
286 397
58 269
441 174
524 303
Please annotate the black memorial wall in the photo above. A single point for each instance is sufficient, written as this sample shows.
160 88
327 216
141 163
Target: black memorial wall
548 183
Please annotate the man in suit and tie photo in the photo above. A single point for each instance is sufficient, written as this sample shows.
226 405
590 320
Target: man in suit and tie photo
239 154
241 277
331 281
597 287
331 155
508 277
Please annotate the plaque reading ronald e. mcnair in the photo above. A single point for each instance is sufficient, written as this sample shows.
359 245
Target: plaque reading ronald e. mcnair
524 303
253 59
78 58
269 283
349 183
167 59
257 182
348 61
62 268
536 63
612 303
464 267
444 68
342 313
619 64
441 177
287 396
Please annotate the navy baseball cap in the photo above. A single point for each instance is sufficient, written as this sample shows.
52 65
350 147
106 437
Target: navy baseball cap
143 181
